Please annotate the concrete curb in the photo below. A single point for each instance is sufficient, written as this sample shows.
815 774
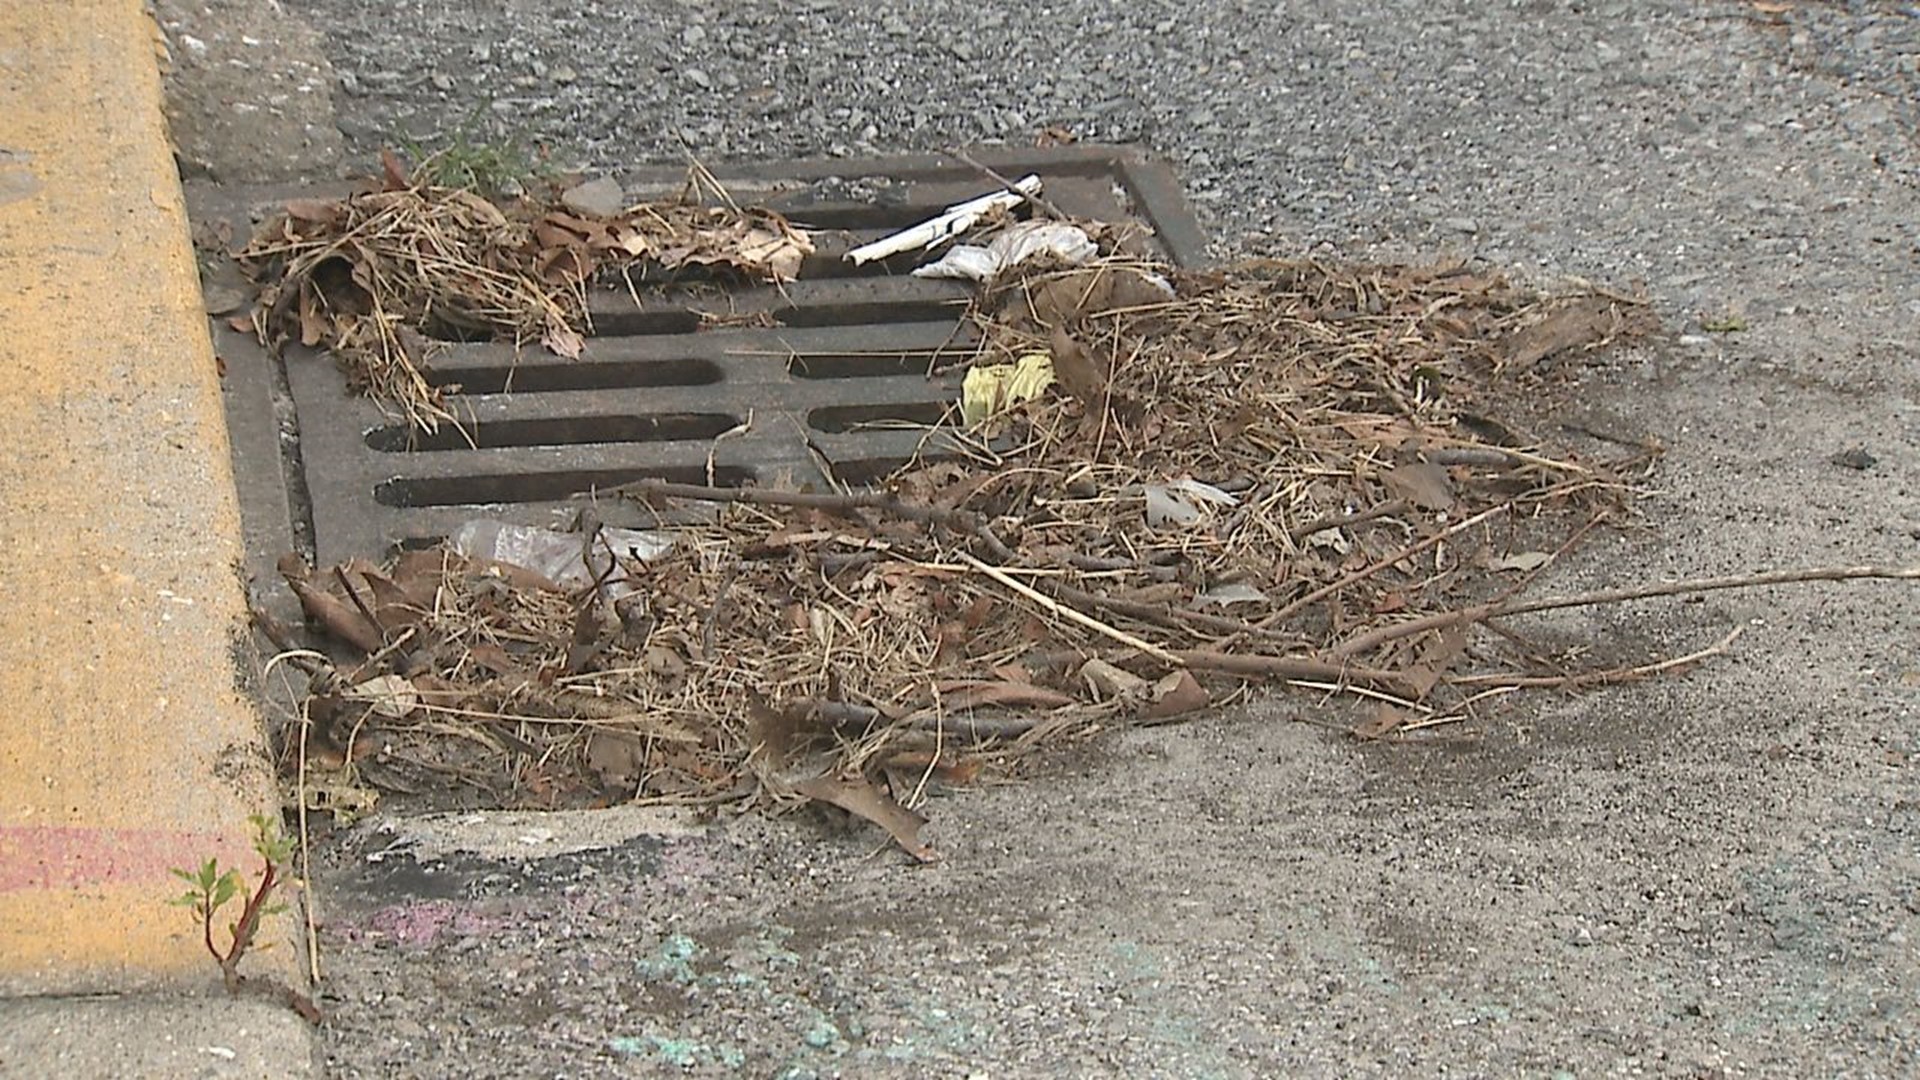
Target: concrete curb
128 745
208 1037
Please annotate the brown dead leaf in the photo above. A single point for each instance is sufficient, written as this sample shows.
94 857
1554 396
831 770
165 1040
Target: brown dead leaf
866 799
1176 694
315 211
495 659
1068 297
333 614
393 170
968 694
1109 681
773 733
1079 375
948 769
1439 654
1580 323
564 341
618 759
1383 721
1385 432
977 612
1421 483
1237 425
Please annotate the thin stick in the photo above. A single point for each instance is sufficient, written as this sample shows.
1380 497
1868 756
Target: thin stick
964 520
1292 668
1599 678
353 594
1392 560
1074 614
1359 691
1166 614
1480 612
1385 509
1033 200
306 851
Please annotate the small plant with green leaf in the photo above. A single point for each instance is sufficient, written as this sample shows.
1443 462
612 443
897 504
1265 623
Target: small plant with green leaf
211 889
493 170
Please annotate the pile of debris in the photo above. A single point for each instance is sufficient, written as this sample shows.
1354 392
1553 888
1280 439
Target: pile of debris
378 277
1169 486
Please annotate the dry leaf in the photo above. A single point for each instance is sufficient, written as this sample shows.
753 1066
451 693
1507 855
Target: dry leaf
391 696
334 614
972 695
1439 654
1580 323
1176 694
1523 561
617 758
1076 372
564 341
315 211
1421 483
866 799
392 170
947 769
1383 721
1108 681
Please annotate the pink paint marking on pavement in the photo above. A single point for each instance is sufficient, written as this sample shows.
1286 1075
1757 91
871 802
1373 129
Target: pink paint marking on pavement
51 857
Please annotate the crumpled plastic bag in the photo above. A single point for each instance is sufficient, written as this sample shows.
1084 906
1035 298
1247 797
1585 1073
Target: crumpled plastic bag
1020 242
1178 504
560 557
995 388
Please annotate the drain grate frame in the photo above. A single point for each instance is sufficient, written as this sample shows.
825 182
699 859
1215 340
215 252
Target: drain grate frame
688 385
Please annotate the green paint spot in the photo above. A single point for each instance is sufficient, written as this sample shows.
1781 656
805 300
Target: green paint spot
672 962
822 1033
681 1053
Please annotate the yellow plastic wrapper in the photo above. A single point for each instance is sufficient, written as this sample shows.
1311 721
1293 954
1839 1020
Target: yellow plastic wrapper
997 387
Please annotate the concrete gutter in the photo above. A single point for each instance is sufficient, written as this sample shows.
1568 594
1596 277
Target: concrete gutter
128 743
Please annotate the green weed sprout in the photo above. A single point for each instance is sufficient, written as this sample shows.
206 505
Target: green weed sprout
211 889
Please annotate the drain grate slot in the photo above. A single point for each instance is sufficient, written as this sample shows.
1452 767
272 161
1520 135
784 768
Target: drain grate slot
543 377
877 312
504 488
692 378
858 365
863 472
840 419
557 431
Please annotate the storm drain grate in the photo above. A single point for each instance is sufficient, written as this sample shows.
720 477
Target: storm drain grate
743 385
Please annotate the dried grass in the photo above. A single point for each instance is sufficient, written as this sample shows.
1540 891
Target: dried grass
947 621
377 278
1336 447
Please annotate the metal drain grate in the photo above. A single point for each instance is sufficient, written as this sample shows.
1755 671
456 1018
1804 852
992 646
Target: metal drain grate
691 387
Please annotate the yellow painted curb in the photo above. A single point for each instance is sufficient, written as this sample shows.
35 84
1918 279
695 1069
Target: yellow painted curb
126 747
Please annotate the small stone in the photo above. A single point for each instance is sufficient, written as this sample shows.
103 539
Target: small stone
564 75
693 35
962 50
1855 458
1462 225
698 78
441 82
596 198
